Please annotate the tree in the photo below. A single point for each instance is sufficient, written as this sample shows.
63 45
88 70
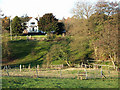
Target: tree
108 8
24 19
48 23
59 51
104 32
5 46
61 28
80 48
82 10
16 26
6 23
67 24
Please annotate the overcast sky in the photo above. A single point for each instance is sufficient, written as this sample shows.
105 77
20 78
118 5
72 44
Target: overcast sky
59 8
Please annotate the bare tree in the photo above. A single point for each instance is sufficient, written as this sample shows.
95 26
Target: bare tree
83 10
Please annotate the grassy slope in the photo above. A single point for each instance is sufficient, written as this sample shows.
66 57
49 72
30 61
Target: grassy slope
21 82
23 51
29 52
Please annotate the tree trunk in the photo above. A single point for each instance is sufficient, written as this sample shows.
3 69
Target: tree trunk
112 61
68 63
95 49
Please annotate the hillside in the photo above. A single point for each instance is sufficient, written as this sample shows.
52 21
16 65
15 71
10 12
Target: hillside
29 52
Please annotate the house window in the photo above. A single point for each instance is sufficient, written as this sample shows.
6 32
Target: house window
32 22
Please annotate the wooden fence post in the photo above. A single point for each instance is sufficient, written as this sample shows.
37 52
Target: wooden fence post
60 73
101 72
7 71
82 65
23 66
78 75
37 72
38 67
20 67
29 67
86 74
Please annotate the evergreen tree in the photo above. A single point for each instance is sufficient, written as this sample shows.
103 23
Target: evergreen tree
48 23
16 26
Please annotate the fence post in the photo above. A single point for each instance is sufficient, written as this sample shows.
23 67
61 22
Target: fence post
82 65
38 67
101 72
86 73
7 71
60 73
78 75
23 66
20 67
29 67
36 72
9 67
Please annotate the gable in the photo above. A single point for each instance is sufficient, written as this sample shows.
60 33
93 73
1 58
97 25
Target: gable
32 20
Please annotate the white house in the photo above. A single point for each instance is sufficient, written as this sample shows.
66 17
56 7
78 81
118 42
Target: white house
31 26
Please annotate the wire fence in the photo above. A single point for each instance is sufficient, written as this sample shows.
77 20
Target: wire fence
83 73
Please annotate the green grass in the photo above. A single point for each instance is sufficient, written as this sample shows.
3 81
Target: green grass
22 82
28 52
24 52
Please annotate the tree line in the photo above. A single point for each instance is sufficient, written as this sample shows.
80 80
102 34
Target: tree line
92 33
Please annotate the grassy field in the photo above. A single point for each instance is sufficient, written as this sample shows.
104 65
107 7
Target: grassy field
23 51
28 52
23 82
61 73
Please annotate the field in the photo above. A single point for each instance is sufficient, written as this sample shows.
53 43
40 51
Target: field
23 82
25 51
33 52
64 78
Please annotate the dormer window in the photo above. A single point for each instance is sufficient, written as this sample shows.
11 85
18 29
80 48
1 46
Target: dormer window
32 22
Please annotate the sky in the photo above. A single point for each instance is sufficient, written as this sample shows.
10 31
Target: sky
33 8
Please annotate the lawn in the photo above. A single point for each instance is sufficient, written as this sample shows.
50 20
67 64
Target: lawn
25 82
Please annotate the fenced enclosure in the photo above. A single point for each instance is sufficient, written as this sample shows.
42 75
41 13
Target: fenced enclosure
77 73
